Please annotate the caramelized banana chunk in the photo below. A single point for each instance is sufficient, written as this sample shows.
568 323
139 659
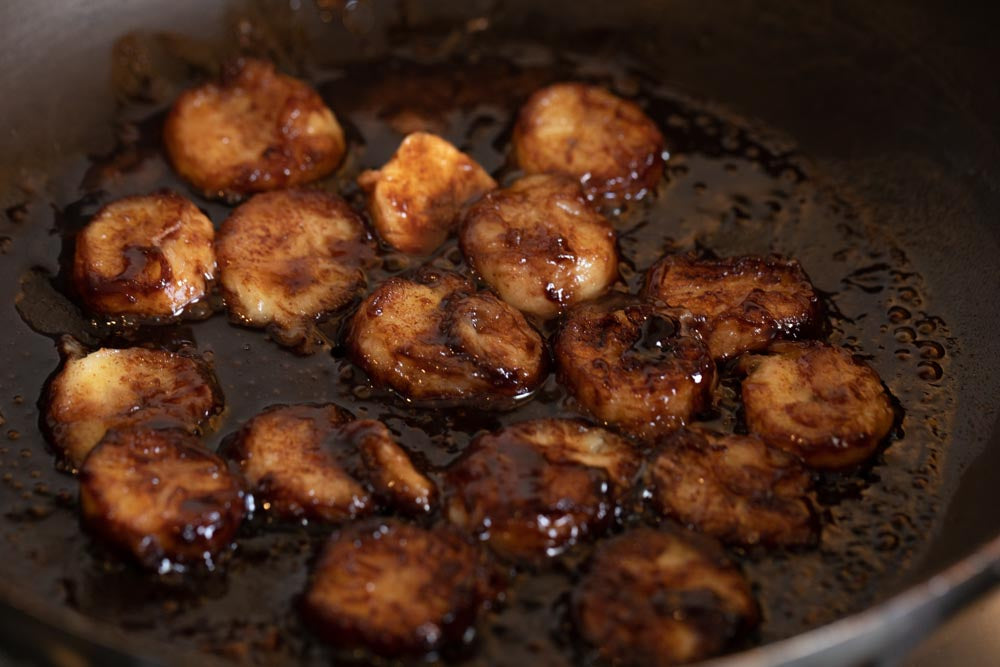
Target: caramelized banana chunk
608 143
540 245
158 495
738 304
733 487
316 462
288 258
253 130
416 198
661 598
396 589
817 402
434 337
627 363
112 388
149 256
536 488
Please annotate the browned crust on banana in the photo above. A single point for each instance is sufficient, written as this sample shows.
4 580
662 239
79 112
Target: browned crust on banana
733 487
738 304
149 256
157 494
661 598
625 363
589 133
397 589
535 488
253 130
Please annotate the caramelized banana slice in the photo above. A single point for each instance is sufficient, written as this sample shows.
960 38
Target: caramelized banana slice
818 402
540 245
253 130
433 337
112 388
149 256
158 495
536 488
395 588
416 198
608 143
316 462
659 598
627 364
733 487
287 258
738 304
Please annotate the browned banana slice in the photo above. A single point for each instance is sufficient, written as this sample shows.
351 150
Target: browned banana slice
733 487
659 598
253 130
287 258
416 198
149 256
317 462
396 588
111 388
540 245
434 337
608 143
158 495
738 304
818 402
535 488
628 365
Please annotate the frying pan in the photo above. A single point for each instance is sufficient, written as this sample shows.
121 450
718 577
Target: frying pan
895 102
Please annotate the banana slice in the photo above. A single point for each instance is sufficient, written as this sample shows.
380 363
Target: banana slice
627 363
608 143
540 245
288 258
149 256
733 487
397 589
434 337
316 462
661 598
113 388
817 402
738 304
416 198
253 130
158 495
536 488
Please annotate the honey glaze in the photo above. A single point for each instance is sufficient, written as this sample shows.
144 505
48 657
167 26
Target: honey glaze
725 192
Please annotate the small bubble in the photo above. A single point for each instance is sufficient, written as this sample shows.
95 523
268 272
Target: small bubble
905 334
679 170
898 314
909 295
362 392
18 399
926 326
5 243
13 434
25 453
929 371
903 354
930 349
699 188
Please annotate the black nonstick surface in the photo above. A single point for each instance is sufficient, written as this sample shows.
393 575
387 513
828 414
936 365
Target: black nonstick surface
873 162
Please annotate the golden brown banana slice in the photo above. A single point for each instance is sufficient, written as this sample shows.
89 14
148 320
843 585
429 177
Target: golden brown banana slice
817 402
287 258
540 245
661 598
316 462
538 487
434 337
738 304
157 494
733 487
253 130
585 131
395 588
416 198
112 388
627 363
149 256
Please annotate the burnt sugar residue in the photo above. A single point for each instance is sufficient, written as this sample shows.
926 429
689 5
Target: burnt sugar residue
724 192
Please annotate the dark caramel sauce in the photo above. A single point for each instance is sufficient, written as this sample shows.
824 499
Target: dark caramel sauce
724 191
